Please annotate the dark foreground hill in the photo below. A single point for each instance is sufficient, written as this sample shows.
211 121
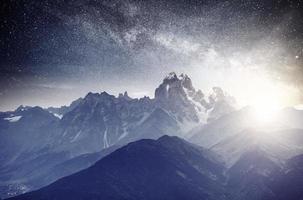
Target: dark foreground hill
167 168
171 168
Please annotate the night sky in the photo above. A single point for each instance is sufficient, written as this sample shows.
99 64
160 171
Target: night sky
54 51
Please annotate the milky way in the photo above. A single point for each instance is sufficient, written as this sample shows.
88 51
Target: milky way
55 51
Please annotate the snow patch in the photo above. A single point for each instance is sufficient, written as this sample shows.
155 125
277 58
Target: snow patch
105 141
76 136
123 135
170 76
144 117
16 189
181 174
201 111
13 119
58 115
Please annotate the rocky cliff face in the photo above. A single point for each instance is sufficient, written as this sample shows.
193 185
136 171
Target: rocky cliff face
177 95
101 120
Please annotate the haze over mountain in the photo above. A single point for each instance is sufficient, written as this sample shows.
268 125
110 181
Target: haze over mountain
145 169
171 168
40 146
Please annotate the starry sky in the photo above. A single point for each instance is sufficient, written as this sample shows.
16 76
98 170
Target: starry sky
54 51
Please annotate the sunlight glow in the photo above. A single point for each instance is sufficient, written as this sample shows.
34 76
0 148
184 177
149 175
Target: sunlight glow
265 95
268 99
266 111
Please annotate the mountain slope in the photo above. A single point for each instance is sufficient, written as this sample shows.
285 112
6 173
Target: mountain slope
171 168
238 132
250 177
59 112
278 145
18 130
289 184
100 120
222 128
96 122
167 168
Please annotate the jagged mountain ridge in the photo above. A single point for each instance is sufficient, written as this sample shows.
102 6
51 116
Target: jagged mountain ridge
81 131
93 123
59 112
118 120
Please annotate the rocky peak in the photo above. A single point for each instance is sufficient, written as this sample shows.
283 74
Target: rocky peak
219 103
172 76
178 87
173 86
124 96
98 96
186 82
182 79
91 100
22 108
217 95
177 95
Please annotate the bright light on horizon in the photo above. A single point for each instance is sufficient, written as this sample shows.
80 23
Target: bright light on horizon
260 91
266 111
268 99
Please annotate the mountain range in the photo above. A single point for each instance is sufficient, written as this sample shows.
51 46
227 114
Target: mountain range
108 147
171 168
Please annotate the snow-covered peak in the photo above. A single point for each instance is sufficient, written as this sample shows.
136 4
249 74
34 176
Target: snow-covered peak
220 103
219 95
174 85
171 76
183 76
182 79
178 95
